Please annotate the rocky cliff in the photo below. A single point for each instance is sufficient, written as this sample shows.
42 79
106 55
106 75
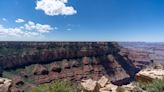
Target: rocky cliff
32 63
21 54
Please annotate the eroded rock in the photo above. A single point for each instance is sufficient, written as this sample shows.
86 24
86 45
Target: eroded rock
89 85
103 81
5 84
150 74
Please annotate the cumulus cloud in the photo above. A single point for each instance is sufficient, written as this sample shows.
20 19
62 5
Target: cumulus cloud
38 27
29 29
55 7
16 32
19 21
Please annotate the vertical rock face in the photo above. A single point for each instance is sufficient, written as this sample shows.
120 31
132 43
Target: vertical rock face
43 62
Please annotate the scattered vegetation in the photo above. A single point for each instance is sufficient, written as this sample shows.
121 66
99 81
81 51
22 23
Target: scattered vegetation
120 89
56 86
155 86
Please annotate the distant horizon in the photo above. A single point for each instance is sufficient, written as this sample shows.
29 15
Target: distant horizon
82 20
90 41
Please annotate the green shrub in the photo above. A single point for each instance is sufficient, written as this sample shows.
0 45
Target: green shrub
57 86
120 89
155 86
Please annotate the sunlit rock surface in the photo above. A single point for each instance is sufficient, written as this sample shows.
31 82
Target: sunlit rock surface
5 84
150 74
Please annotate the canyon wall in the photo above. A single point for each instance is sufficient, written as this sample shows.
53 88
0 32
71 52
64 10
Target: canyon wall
142 53
22 53
32 63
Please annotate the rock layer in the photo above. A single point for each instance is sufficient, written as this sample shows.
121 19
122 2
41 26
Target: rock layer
43 62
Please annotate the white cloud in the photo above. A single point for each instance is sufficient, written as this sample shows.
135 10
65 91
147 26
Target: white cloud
19 21
38 27
16 32
55 7
4 19
28 30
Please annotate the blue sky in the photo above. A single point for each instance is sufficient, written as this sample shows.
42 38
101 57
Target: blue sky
82 20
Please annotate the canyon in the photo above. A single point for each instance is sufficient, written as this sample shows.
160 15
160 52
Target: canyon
29 64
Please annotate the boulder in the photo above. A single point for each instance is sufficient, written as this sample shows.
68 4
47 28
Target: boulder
149 75
105 89
89 85
2 81
5 84
108 88
128 87
103 81
111 87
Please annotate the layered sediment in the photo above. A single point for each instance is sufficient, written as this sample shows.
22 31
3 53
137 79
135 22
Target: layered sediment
32 63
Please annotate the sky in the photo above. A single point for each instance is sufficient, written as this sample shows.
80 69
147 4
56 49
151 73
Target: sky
82 20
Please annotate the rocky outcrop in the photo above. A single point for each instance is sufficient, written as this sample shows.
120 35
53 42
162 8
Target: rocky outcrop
151 74
105 85
103 81
4 84
89 85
